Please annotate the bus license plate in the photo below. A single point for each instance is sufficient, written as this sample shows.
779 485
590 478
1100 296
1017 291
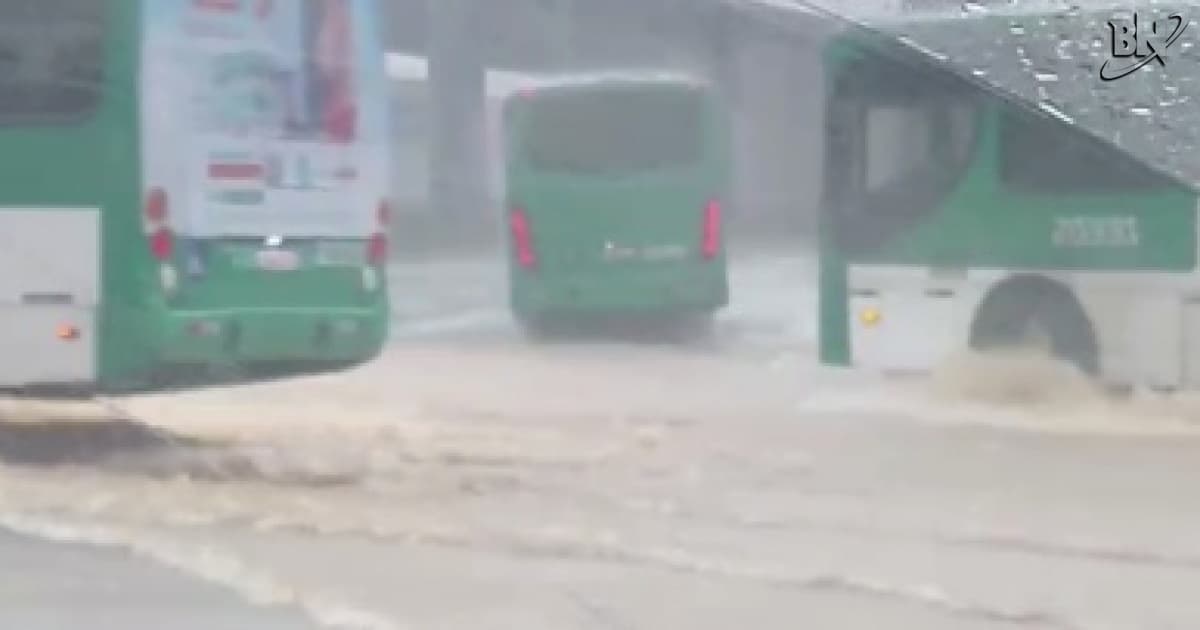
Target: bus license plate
663 253
278 260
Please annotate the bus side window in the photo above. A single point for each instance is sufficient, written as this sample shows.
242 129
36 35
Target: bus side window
1043 155
898 143
51 59
918 141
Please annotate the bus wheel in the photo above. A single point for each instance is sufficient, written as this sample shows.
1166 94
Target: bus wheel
1039 315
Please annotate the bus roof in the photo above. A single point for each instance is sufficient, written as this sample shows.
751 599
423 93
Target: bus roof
1051 62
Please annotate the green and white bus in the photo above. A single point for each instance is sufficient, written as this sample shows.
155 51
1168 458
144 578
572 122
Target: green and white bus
984 187
188 185
615 188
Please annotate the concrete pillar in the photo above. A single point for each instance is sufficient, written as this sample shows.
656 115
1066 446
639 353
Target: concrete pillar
458 181
778 139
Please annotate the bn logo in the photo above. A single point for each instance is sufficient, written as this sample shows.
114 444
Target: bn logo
1131 49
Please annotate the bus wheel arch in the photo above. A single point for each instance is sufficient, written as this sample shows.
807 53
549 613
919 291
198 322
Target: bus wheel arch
1021 304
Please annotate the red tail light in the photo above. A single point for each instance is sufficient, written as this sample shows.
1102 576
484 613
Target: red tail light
157 211
162 244
710 244
377 249
522 235
157 206
378 245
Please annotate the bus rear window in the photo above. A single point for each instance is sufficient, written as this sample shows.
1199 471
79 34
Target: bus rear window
614 132
51 58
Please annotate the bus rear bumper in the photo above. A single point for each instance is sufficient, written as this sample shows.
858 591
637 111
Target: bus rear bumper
244 336
697 291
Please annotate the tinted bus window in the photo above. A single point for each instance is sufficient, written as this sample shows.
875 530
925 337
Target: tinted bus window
614 131
51 58
1044 155
906 142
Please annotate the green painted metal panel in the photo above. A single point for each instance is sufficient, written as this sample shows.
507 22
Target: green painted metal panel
983 224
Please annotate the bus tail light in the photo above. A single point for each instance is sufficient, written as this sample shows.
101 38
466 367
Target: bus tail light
156 212
370 279
710 243
168 278
377 244
377 249
68 332
157 207
518 223
162 244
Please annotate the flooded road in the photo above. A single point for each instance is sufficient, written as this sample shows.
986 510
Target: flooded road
469 479
50 585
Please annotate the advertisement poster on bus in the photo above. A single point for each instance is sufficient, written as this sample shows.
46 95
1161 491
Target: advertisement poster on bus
266 117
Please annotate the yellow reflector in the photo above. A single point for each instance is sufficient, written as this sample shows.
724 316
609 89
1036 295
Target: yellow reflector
870 316
67 332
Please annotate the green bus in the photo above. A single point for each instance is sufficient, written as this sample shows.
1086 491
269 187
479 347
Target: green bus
189 186
615 185
985 188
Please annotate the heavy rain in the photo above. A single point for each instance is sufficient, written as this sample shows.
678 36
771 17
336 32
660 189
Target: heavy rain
598 314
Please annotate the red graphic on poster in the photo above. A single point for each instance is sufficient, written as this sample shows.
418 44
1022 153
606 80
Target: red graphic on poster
335 63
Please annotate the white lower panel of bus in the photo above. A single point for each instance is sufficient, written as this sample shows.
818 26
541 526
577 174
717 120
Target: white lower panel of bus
49 295
922 319
47 345
1147 325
